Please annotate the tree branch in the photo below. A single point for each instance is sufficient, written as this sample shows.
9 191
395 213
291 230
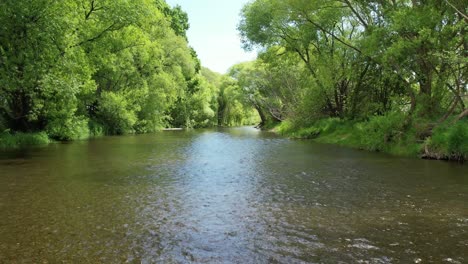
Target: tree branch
109 28
364 23
332 35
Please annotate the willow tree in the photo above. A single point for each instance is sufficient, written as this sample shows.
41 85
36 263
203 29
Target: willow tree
419 48
42 69
324 37
114 66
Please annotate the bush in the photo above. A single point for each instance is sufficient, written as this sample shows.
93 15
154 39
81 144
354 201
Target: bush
458 139
114 114
18 140
330 125
389 133
296 129
450 141
95 129
285 127
3 122
381 131
69 128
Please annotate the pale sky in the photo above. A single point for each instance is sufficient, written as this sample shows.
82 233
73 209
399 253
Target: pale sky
213 32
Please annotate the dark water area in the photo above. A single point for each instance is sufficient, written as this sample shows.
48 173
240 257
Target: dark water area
228 196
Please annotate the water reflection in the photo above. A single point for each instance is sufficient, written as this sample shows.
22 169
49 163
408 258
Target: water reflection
228 196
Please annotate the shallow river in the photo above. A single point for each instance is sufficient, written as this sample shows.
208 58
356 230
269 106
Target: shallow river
228 196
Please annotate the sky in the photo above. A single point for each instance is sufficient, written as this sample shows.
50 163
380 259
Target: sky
213 32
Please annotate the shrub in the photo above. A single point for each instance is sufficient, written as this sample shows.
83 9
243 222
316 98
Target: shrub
329 125
69 128
285 127
18 140
297 129
115 115
450 141
95 129
380 131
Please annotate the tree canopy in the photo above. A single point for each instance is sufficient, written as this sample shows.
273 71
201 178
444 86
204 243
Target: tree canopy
398 65
366 57
87 67
80 68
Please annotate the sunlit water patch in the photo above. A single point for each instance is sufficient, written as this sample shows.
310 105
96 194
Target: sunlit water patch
228 196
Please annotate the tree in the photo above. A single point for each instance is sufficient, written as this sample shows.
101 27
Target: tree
117 65
41 73
412 45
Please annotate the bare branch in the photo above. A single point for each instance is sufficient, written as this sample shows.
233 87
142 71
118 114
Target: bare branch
363 22
456 9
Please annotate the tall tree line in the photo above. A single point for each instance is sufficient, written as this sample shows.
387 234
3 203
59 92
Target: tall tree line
87 67
356 59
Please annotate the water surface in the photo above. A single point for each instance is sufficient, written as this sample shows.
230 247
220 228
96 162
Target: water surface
228 196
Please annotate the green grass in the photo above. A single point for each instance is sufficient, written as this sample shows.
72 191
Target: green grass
19 140
390 134
449 141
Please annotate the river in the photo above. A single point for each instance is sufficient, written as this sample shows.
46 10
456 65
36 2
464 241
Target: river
228 196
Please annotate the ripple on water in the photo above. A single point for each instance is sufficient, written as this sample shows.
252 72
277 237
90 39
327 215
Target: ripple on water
228 196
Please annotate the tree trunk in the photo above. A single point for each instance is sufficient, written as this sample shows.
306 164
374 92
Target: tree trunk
19 108
462 115
261 113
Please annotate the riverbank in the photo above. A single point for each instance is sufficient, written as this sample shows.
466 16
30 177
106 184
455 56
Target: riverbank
390 134
18 140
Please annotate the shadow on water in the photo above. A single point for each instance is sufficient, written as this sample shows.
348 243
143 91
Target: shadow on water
228 196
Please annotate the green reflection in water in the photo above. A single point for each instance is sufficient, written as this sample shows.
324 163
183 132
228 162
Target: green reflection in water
227 195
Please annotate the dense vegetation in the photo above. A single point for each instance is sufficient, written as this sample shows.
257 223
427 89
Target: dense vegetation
80 68
380 75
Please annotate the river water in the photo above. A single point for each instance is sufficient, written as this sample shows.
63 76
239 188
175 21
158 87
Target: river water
228 196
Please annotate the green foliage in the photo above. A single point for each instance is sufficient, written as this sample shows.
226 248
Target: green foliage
320 128
371 74
86 68
68 128
380 132
292 130
235 106
179 21
115 114
18 140
377 75
450 141
95 129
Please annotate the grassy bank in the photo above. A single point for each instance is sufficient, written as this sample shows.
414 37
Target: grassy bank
18 140
392 134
